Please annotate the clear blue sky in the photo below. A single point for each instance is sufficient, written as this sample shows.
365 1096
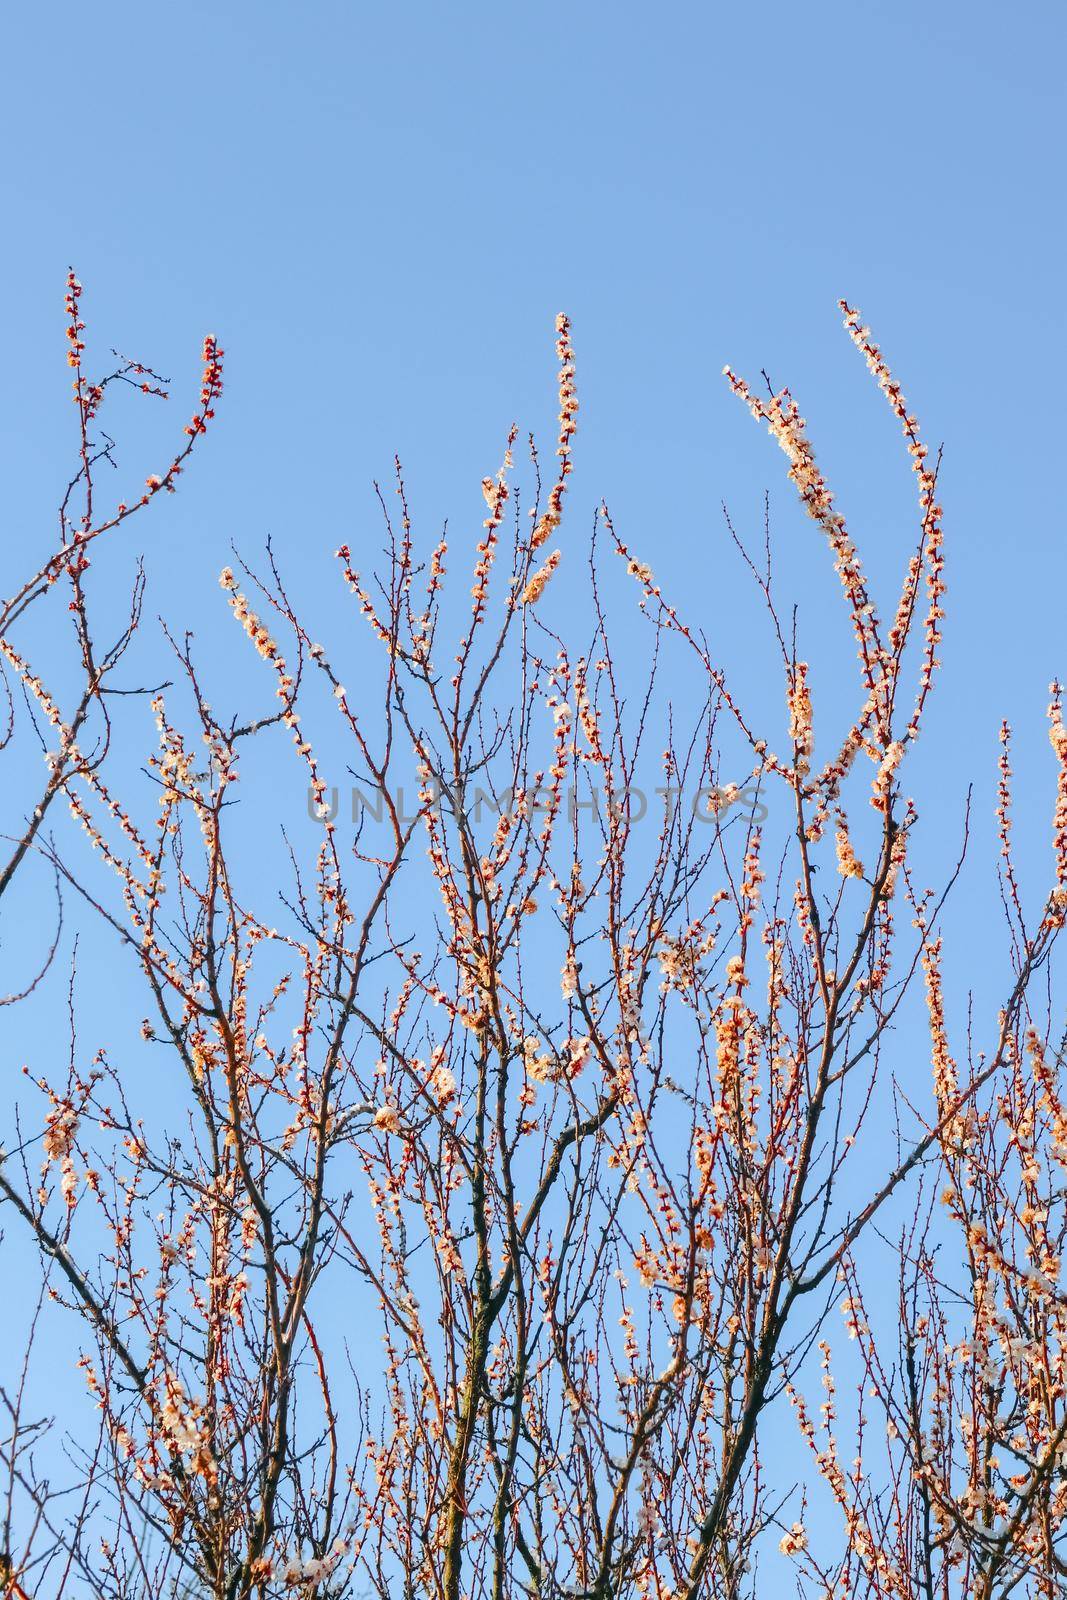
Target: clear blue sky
379 209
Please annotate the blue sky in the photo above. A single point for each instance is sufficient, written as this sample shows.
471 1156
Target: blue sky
379 211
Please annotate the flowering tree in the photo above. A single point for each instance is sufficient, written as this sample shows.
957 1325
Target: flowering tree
577 1109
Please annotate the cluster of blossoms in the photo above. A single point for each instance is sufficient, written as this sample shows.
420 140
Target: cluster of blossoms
641 571
680 956
539 581
210 391
786 425
60 1131
848 864
801 730
552 516
930 554
496 494
75 326
551 1066
1058 740
794 1541
305 1573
